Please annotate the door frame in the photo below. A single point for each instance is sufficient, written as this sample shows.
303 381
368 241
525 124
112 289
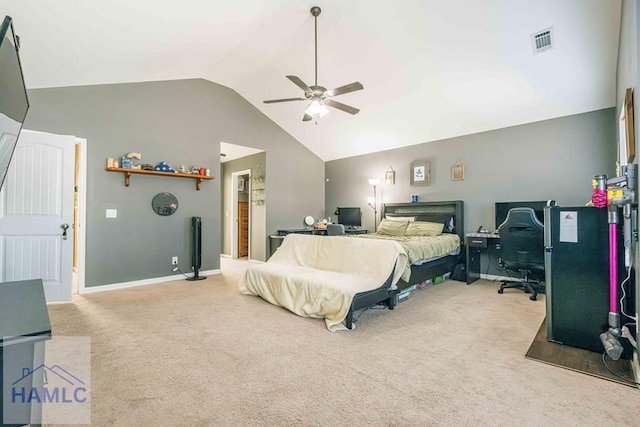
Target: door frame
234 211
82 213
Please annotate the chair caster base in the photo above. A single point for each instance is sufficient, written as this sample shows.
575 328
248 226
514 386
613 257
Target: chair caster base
533 297
500 291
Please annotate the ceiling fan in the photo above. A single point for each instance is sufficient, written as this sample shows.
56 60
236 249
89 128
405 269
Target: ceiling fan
319 96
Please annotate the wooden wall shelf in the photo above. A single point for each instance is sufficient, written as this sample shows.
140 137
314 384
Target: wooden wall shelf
127 175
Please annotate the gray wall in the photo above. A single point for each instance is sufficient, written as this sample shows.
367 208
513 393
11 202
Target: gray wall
257 213
181 122
629 76
627 70
553 159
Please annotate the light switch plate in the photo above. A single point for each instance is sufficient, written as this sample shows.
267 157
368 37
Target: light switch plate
112 213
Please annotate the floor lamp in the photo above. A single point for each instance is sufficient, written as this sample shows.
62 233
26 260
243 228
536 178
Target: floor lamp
373 202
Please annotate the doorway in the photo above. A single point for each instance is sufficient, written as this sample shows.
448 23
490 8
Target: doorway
238 161
241 214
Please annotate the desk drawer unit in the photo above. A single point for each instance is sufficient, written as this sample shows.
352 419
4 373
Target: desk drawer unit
482 251
475 245
477 242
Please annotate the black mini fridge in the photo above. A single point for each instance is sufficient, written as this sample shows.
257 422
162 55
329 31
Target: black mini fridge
577 275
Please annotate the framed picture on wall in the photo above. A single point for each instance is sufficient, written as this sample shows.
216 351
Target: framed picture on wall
626 132
390 176
629 126
457 172
420 172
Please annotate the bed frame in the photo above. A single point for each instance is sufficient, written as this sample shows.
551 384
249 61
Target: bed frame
449 213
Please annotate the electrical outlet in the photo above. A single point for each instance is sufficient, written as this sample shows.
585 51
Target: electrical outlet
174 260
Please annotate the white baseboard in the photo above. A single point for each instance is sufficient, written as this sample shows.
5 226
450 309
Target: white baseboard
144 282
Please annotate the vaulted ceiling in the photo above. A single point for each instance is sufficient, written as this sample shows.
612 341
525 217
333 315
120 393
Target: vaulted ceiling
431 69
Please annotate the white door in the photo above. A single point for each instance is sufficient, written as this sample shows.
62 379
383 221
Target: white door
36 204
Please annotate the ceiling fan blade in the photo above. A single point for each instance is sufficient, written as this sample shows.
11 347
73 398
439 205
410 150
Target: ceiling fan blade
351 87
306 117
340 106
273 101
302 85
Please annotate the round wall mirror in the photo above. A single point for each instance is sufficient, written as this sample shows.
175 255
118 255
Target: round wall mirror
164 204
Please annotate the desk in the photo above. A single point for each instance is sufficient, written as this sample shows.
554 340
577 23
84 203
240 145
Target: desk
314 231
356 231
318 231
483 251
275 240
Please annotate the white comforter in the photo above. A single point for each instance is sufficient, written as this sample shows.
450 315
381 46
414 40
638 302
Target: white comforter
318 276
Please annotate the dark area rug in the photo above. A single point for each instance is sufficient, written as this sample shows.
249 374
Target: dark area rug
580 360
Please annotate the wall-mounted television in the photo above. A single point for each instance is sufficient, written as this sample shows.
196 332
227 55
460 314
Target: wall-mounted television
350 217
502 209
13 95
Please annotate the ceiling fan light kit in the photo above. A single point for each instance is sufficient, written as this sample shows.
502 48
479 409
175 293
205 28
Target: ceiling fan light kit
316 109
319 96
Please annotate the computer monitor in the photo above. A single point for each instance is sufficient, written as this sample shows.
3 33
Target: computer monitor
502 209
350 217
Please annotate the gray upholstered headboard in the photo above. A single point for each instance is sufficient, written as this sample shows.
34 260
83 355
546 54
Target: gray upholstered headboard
451 213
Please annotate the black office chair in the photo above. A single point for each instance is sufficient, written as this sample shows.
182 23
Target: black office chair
335 230
522 251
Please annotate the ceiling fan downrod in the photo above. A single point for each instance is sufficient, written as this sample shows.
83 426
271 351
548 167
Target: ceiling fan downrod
315 11
319 96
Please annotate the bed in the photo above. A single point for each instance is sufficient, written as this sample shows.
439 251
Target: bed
448 213
308 260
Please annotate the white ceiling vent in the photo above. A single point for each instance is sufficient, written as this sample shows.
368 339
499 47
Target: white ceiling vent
542 40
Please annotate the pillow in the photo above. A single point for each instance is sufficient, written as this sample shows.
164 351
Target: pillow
392 228
424 228
401 218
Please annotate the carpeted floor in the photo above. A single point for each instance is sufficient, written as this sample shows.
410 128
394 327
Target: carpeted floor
580 360
201 354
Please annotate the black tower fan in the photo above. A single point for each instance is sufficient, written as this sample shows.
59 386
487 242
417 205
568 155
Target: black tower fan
196 247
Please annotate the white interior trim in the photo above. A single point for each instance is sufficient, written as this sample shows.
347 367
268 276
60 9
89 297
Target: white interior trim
144 282
622 140
82 214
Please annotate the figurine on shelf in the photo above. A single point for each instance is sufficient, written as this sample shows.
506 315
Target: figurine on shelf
164 167
127 160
